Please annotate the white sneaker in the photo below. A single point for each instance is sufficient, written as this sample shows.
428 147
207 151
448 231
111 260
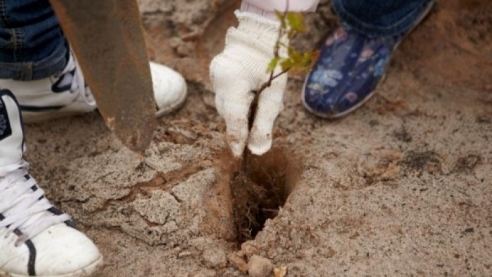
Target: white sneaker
170 88
36 239
66 93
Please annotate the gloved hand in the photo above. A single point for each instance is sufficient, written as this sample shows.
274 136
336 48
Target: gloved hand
238 70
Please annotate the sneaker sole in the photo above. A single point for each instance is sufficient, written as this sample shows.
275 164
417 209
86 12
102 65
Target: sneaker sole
36 117
89 271
425 13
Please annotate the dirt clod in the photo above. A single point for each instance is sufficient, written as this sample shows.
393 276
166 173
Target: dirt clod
468 163
280 272
238 262
215 258
428 161
259 267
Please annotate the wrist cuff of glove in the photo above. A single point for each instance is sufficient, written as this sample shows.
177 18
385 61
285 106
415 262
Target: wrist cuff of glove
258 28
247 7
254 22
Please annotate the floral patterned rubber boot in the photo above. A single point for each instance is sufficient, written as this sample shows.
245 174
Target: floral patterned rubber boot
348 70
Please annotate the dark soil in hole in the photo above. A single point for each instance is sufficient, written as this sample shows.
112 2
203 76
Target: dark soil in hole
261 191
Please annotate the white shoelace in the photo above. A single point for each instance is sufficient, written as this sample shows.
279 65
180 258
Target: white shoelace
78 82
23 208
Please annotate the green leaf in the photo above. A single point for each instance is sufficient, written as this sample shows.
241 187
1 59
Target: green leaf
287 64
273 64
295 55
296 21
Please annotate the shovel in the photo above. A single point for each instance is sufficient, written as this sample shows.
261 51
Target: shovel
107 39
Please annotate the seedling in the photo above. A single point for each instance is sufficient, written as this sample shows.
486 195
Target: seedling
255 202
291 24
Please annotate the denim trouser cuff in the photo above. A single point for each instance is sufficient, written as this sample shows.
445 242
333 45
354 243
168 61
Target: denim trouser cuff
400 25
27 71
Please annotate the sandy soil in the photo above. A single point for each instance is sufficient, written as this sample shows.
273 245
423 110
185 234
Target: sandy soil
402 187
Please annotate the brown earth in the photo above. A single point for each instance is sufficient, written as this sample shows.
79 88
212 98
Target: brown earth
402 187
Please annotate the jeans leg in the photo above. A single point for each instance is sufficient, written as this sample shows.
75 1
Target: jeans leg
32 45
380 17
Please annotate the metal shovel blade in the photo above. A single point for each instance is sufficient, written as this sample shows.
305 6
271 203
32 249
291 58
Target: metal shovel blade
107 39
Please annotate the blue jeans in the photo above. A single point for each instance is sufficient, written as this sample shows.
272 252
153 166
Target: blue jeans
380 17
32 45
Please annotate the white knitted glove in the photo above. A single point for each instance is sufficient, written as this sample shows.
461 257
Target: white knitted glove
238 70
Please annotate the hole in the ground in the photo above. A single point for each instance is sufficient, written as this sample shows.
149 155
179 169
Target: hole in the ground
261 191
